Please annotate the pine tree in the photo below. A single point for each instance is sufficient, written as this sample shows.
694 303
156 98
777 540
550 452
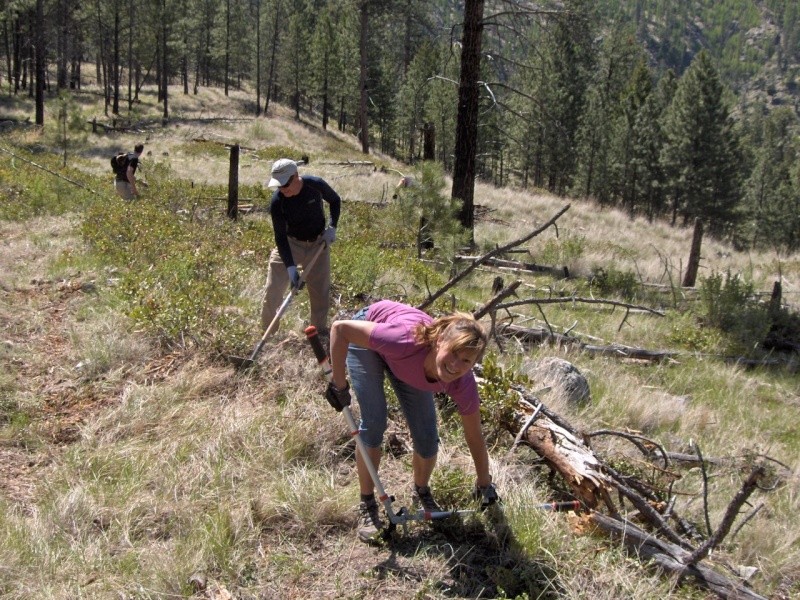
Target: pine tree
700 156
772 192
412 98
628 175
646 146
569 61
605 122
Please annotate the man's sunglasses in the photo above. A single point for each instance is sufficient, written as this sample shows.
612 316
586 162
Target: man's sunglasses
287 184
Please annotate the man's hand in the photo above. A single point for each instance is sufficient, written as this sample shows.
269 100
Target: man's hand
338 398
329 235
294 276
487 495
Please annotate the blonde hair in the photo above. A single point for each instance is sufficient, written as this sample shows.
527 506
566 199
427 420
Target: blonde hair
459 330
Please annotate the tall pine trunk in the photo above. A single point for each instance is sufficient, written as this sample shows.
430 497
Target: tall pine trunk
40 61
363 123
467 120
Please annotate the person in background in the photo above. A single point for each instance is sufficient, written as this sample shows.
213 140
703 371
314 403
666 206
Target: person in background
125 179
300 226
420 356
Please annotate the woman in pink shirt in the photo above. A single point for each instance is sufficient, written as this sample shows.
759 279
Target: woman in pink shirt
420 356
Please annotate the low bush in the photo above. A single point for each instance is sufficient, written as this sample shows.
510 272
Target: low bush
613 282
729 305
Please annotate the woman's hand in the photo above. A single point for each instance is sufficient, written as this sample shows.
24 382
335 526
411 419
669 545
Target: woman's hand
486 494
338 398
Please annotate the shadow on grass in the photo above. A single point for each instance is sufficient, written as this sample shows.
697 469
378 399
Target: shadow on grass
483 558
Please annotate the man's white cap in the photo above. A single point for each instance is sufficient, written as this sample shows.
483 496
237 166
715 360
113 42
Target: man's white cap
282 171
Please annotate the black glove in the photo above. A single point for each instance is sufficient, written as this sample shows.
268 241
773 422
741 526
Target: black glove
338 398
487 495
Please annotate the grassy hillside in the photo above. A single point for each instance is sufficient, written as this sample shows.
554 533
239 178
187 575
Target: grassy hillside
136 463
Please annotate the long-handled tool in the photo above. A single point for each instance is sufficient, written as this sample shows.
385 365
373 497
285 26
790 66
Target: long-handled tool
245 363
404 515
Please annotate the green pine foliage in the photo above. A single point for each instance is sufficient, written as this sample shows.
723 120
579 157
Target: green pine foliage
564 98
700 154
772 193
729 305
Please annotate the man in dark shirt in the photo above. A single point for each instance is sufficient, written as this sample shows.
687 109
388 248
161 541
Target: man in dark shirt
125 178
298 219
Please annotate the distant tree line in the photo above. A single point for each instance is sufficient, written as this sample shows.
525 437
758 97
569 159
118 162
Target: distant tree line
624 102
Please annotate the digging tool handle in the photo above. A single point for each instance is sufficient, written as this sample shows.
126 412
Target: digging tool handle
316 345
285 304
568 505
322 358
337 398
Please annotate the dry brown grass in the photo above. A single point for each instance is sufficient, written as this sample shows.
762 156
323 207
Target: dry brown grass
656 252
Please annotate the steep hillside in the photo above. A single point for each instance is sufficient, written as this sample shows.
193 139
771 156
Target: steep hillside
755 44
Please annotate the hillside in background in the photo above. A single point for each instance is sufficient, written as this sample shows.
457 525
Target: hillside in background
756 43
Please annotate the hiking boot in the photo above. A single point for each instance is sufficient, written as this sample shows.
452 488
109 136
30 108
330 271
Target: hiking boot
423 498
370 524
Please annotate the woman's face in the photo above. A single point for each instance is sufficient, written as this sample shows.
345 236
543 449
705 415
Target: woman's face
450 365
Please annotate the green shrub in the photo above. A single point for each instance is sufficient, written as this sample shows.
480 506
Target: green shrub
612 281
29 190
498 403
181 276
686 332
784 333
427 199
452 486
562 250
728 304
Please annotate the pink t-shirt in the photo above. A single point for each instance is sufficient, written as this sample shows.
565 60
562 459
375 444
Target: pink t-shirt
393 339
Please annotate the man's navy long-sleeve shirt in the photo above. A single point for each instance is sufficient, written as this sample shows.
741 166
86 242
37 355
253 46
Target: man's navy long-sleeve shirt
302 216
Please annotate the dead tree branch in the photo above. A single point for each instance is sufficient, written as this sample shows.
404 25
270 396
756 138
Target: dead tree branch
670 558
38 166
704 472
560 272
592 480
491 306
636 440
539 335
478 261
749 486
577 299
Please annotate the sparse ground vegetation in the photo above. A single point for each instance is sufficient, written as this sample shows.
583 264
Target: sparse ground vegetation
136 462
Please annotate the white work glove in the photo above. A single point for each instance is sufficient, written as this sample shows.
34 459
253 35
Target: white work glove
294 276
329 235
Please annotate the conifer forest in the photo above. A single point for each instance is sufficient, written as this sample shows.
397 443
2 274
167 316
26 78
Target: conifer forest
669 109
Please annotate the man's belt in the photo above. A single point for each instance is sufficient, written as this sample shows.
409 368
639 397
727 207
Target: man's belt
313 239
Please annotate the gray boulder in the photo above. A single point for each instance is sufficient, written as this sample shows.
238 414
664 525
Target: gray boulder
567 383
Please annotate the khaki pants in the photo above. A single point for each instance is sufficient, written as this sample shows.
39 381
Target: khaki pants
317 282
123 189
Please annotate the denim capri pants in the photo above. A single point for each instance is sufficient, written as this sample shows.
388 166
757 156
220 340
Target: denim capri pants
367 373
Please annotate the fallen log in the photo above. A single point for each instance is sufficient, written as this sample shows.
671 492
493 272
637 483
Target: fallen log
570 458
671 558
561 448
560 272
538 335
567 452
348 163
